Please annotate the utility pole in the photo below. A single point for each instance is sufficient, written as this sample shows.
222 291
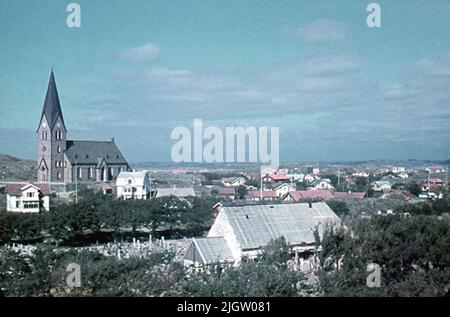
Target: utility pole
76 183
339 177
261 184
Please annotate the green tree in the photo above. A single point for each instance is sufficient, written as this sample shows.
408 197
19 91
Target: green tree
241 192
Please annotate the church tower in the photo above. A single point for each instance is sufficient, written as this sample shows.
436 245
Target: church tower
51 138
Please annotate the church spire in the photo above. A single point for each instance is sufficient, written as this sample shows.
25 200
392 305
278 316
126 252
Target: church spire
52 108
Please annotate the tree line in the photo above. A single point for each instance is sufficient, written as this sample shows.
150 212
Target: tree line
98 216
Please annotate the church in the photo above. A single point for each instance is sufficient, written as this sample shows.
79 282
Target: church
67 161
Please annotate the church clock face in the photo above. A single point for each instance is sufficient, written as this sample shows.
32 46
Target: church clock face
44 149
58 125
44 125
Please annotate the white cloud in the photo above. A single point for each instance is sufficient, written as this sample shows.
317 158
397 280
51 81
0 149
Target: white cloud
147 52
322 30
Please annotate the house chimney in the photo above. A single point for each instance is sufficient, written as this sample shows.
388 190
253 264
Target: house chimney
112 140
310 204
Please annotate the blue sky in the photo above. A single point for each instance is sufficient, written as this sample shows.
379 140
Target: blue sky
135 70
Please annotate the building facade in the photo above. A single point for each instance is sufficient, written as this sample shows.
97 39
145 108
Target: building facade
27 198
62 160
133 185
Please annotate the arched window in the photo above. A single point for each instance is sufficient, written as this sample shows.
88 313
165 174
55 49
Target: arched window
79 173
90 173
59 149
43 135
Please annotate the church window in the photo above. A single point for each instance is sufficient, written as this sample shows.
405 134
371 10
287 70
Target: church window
76 156
65 164
56 163
79 173
59 149
43 135
90 173
87 156
59 175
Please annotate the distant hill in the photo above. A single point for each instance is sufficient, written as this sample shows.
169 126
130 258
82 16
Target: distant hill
16 169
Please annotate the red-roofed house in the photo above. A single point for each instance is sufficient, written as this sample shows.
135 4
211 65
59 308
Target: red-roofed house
349 195
275 178
308 195
227 193
434 183
28 197
267 195
398 194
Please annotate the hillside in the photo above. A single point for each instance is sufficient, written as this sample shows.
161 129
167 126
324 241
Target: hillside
16 169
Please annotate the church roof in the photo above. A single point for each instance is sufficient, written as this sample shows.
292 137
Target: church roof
91 152
52 108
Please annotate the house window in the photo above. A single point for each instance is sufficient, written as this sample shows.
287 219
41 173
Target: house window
17 204
30 195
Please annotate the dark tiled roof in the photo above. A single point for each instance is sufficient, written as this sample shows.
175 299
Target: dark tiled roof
93 152
52 108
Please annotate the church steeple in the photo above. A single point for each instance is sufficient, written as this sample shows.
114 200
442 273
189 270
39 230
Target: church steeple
52 108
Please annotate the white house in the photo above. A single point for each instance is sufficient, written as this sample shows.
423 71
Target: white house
283 189
28 198
380 186
133 185
233 181
296 177
322 184
309 178
241 231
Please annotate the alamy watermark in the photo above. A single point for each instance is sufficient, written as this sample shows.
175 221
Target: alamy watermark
374 278
74 277
235 144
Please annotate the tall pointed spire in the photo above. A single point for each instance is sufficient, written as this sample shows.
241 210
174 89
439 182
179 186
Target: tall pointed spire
52 108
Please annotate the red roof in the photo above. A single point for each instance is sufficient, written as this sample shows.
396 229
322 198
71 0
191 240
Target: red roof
277 177
356 195
107 186
435 181
315 194
265 194
16 189
226 191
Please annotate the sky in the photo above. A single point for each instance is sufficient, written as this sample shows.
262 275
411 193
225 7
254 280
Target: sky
135 70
